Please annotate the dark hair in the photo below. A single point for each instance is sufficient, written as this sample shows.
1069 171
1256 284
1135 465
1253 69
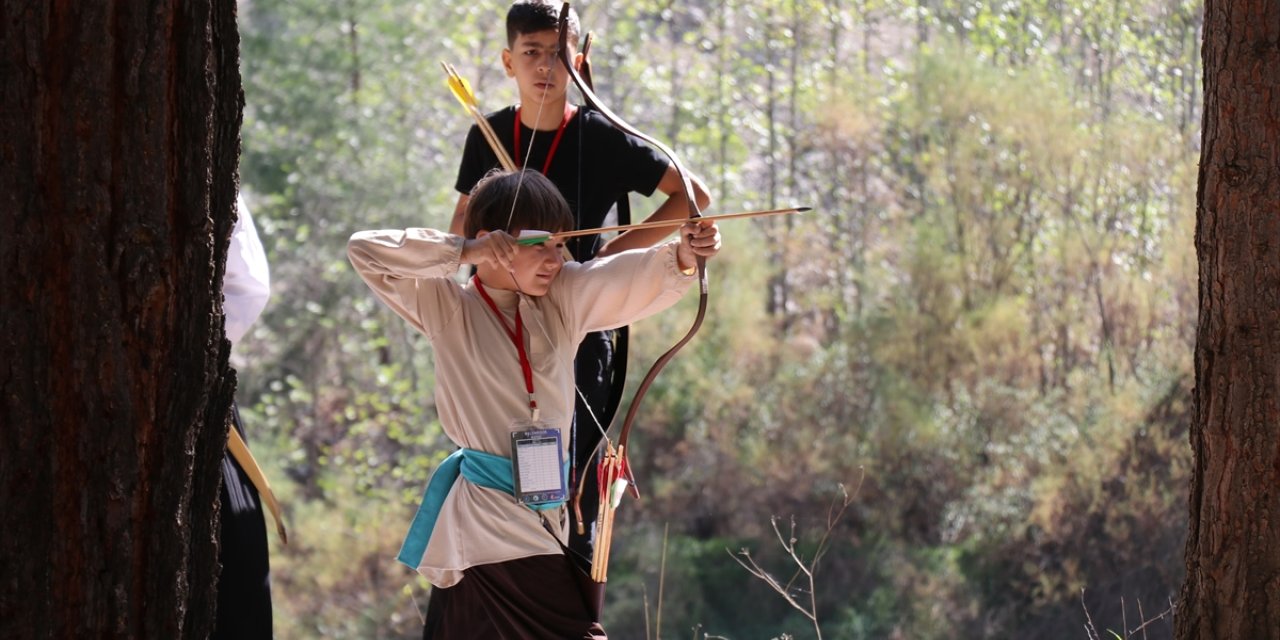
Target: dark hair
541 207
532 16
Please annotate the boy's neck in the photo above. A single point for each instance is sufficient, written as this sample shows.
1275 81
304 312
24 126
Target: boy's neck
495 279
546 117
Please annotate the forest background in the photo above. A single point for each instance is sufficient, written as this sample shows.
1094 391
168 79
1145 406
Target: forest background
983 331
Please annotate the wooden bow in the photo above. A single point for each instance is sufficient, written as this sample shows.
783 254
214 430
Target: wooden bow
614 468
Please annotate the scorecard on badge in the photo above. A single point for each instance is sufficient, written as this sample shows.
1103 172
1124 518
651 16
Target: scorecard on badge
538 462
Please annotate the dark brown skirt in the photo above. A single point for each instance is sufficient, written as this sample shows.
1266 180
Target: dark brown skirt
530 598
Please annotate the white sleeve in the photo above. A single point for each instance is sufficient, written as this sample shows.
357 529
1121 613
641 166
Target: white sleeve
411 271
619 289
246 285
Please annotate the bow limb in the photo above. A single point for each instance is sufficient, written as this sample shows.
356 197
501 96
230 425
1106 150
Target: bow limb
622 337
594 101
585 67
687 186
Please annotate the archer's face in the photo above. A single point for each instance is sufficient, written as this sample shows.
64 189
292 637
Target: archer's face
536 267
532 271
534 63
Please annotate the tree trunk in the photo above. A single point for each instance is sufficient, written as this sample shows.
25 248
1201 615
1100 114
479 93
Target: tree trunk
1232 589
119 138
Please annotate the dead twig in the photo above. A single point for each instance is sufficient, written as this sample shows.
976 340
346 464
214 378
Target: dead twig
1088 620
807 569
1091 631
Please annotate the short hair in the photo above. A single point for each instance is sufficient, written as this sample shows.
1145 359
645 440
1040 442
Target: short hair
532 16
492 205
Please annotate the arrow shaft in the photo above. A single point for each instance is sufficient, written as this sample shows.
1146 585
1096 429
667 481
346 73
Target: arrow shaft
660 223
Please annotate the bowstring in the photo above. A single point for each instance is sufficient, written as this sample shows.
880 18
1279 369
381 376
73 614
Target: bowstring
573 448
524 166
547 336
595 246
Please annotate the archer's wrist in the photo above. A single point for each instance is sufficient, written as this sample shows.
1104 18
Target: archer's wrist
467 254
686 262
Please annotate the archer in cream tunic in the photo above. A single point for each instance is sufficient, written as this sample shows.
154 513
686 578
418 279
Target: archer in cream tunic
480 392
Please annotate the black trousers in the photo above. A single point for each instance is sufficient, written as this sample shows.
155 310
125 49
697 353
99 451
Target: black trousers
244 586
593 372
535 598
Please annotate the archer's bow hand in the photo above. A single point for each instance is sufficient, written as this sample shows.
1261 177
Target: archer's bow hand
699 238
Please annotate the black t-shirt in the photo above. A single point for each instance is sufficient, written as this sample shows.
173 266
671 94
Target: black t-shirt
594 165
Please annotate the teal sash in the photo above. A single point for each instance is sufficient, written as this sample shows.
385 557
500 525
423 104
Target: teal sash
477 467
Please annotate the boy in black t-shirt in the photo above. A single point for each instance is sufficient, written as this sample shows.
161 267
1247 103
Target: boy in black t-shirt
594 165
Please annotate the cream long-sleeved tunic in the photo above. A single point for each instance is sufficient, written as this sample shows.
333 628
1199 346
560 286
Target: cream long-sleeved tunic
480 392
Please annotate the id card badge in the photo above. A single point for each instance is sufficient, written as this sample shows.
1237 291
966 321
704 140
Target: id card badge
537 463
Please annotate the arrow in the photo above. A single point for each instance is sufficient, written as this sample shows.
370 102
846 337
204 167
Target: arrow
543 237
461 90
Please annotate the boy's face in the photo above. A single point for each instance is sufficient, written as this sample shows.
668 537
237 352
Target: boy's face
534 268
533 61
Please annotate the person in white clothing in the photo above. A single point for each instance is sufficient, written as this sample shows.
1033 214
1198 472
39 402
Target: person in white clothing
504 346
244 584
246 284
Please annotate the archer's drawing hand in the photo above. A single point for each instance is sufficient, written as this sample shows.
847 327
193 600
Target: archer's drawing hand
698 238
494 248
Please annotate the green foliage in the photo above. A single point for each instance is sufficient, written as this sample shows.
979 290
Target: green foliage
989 313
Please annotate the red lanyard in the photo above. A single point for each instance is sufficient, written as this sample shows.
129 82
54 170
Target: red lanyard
555 142
517 338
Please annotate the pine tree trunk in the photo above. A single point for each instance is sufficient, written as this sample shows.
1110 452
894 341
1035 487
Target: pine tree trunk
119 142
1232 589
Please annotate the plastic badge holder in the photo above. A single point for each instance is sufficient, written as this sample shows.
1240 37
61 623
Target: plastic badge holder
537 461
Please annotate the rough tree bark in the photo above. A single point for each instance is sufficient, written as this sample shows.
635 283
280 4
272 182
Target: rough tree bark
119 142
1232 589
